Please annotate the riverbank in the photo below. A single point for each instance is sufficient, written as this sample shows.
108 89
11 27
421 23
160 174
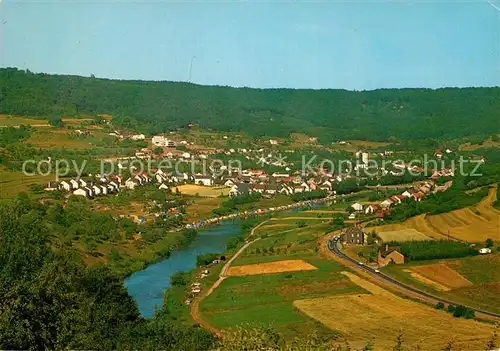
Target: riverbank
258 212
148 285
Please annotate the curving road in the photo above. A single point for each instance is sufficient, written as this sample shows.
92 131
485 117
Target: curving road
333 246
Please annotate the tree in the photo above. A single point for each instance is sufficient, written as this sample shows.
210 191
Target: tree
56 121
489 243
179 279
440 306
158 150
338 220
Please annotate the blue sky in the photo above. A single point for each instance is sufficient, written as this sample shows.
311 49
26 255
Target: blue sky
350 45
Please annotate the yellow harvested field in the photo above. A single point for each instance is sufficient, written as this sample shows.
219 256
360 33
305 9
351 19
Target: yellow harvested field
427 281
403 235
206 191
271 267
473 224
418 223
76 120
442 274
382 315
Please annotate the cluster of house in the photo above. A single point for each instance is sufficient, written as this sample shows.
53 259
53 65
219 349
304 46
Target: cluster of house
98 186
417 193
385 255
258 181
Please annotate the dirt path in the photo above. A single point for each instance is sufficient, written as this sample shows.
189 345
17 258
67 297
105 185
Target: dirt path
195 306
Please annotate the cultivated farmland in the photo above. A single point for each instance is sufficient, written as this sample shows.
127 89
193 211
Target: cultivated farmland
403 235
271 267
382 316
442 274
474 224
205 191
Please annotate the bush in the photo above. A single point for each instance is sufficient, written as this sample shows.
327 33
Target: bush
205 259
439 306
451 308
179 279
234 242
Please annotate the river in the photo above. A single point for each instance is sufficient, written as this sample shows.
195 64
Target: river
148 286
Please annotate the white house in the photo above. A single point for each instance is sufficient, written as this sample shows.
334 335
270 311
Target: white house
273 142
357 207
229 182
65 185
82 183
352 216
285 189
81 192
204 180
158 140
74 184
386 203
306 186
104 190
370 209
163 187
96 190
485 251
89 191
131 184
406 194
138 137
186 155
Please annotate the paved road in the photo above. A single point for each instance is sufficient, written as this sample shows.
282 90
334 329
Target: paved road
333 246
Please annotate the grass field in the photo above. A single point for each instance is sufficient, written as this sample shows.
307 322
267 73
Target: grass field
12 121
271 267
473 224
403 235
12 183
201 208
204 191
381 316
61 138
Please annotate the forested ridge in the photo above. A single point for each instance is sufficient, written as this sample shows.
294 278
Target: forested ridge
152 107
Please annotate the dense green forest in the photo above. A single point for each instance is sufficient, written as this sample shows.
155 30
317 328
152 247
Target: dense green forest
150 106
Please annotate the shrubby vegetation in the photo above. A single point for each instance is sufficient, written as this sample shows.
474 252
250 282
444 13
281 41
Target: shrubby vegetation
329 114
12 135
51 300
204 259
434 249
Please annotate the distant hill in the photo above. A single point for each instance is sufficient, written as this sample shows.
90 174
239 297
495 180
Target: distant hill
385 114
